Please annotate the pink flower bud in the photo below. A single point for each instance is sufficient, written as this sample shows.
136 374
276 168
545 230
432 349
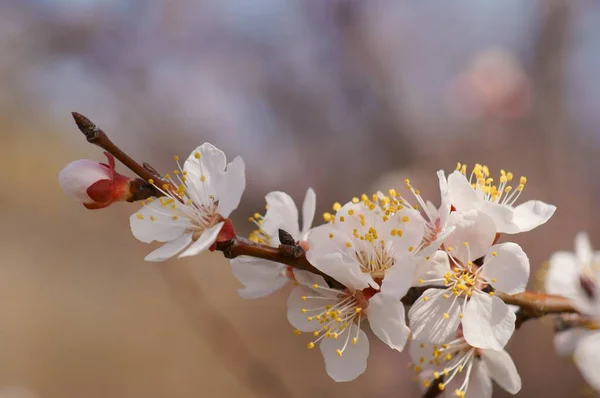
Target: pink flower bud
96 185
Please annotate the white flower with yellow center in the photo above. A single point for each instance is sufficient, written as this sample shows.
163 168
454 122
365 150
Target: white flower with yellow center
373 255
262 277
460 288
190 217
577 276
497 200
461 370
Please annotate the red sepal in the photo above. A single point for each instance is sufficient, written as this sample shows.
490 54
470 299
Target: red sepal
101 191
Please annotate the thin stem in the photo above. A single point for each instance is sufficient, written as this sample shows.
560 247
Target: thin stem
96 136
292 255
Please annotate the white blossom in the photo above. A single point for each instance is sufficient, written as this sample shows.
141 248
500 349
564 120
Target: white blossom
497 199
189 219
461 370
576 276
262 277
459 292
373 254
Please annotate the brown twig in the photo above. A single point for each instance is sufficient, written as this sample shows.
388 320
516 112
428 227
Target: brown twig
535 305
292 255
96 136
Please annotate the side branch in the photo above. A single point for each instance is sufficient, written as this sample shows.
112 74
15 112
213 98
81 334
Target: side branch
96 136
289 254
536 305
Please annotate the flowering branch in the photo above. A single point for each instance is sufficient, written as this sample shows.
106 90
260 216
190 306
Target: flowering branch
343 283
532 305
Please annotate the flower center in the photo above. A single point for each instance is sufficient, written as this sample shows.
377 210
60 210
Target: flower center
188 203
451 359
338 318
375 259
502 193
461 281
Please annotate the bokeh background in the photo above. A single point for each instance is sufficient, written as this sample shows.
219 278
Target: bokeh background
345 96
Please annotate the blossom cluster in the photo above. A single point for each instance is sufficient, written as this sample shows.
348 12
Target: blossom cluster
369 253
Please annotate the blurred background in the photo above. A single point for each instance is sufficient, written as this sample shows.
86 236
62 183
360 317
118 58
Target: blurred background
345 96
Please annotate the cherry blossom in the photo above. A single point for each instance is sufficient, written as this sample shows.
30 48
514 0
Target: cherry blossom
461 370
462 292
190 216
373 254
262 277
497 199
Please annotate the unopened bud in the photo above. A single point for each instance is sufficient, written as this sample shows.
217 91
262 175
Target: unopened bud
96 185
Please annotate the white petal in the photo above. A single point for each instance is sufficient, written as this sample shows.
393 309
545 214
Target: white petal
412 225
230 187
421 352
426 317
502 369
281 213
488 322
154 222
501 214
436 267
386 317
79 175
563 275
508 270
205 240
309 206
259 291
353 363
446 199
169 249
473 227
353 221
462 195
530 215
296 316
583 248
399 278
331 256
211 159
480 383
204 172
587 358
309 279
566 341
260 277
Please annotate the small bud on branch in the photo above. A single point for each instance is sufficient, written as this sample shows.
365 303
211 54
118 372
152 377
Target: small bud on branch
96 136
